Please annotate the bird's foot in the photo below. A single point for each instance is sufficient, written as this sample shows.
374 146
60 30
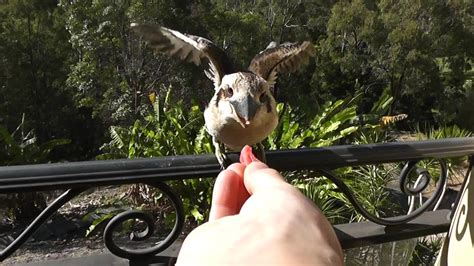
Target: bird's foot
219 151
223 160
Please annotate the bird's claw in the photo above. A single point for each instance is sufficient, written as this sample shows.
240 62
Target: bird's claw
223 160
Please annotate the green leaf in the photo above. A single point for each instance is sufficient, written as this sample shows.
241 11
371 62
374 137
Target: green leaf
98 221
197 215
381 106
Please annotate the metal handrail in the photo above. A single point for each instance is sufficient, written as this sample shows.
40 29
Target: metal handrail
79 174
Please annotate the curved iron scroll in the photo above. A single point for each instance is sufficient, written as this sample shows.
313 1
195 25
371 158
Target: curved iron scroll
127 215
405 188
38 221
111 226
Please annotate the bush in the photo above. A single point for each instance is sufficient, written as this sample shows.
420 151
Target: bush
21 147
169 129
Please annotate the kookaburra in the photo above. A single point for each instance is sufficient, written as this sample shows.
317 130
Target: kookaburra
243 109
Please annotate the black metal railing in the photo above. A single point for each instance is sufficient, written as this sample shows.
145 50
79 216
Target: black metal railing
77 177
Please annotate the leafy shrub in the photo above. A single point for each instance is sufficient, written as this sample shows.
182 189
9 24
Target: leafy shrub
456 166
335 123
466 108
21 147
331 124
169 129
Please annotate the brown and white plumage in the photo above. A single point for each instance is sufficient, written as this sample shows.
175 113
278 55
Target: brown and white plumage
285 58
251 103
243 109
188 48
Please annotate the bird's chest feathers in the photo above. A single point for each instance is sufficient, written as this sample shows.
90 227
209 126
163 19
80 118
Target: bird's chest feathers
232 134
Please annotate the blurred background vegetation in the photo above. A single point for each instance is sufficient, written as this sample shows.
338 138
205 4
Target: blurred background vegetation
76 84
74 70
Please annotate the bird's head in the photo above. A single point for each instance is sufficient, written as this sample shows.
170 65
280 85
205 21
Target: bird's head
242 96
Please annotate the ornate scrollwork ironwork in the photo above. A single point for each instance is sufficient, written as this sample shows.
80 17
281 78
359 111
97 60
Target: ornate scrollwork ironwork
128 253
405 187
38 221
112 226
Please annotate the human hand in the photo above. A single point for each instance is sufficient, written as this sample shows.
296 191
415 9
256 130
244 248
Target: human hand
258 218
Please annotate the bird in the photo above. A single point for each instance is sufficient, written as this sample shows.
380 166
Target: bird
242 110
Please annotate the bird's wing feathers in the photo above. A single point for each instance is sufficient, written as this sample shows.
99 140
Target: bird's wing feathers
285 58
188 48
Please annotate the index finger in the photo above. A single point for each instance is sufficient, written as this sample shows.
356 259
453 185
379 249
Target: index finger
258 176
229 193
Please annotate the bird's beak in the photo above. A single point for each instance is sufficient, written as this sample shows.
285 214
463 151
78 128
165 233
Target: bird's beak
245 108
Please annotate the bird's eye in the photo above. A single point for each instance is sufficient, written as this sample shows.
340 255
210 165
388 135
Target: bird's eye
229 92
263 97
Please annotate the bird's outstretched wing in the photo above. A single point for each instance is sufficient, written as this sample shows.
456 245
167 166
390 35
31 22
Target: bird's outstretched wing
188 48
285 58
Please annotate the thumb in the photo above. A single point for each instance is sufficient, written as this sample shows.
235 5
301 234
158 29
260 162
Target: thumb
258 176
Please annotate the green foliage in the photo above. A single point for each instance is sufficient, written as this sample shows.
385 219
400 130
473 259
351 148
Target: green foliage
76 63
329 125
169 129
465 118
427 250
336 123
324 194
399 46
367 182
369 185
455 165
373 131
442 132
36 54
99 218
21 147
114 71
390 253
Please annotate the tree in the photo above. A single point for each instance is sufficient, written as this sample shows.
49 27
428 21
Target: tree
397 45
114 72
35 55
